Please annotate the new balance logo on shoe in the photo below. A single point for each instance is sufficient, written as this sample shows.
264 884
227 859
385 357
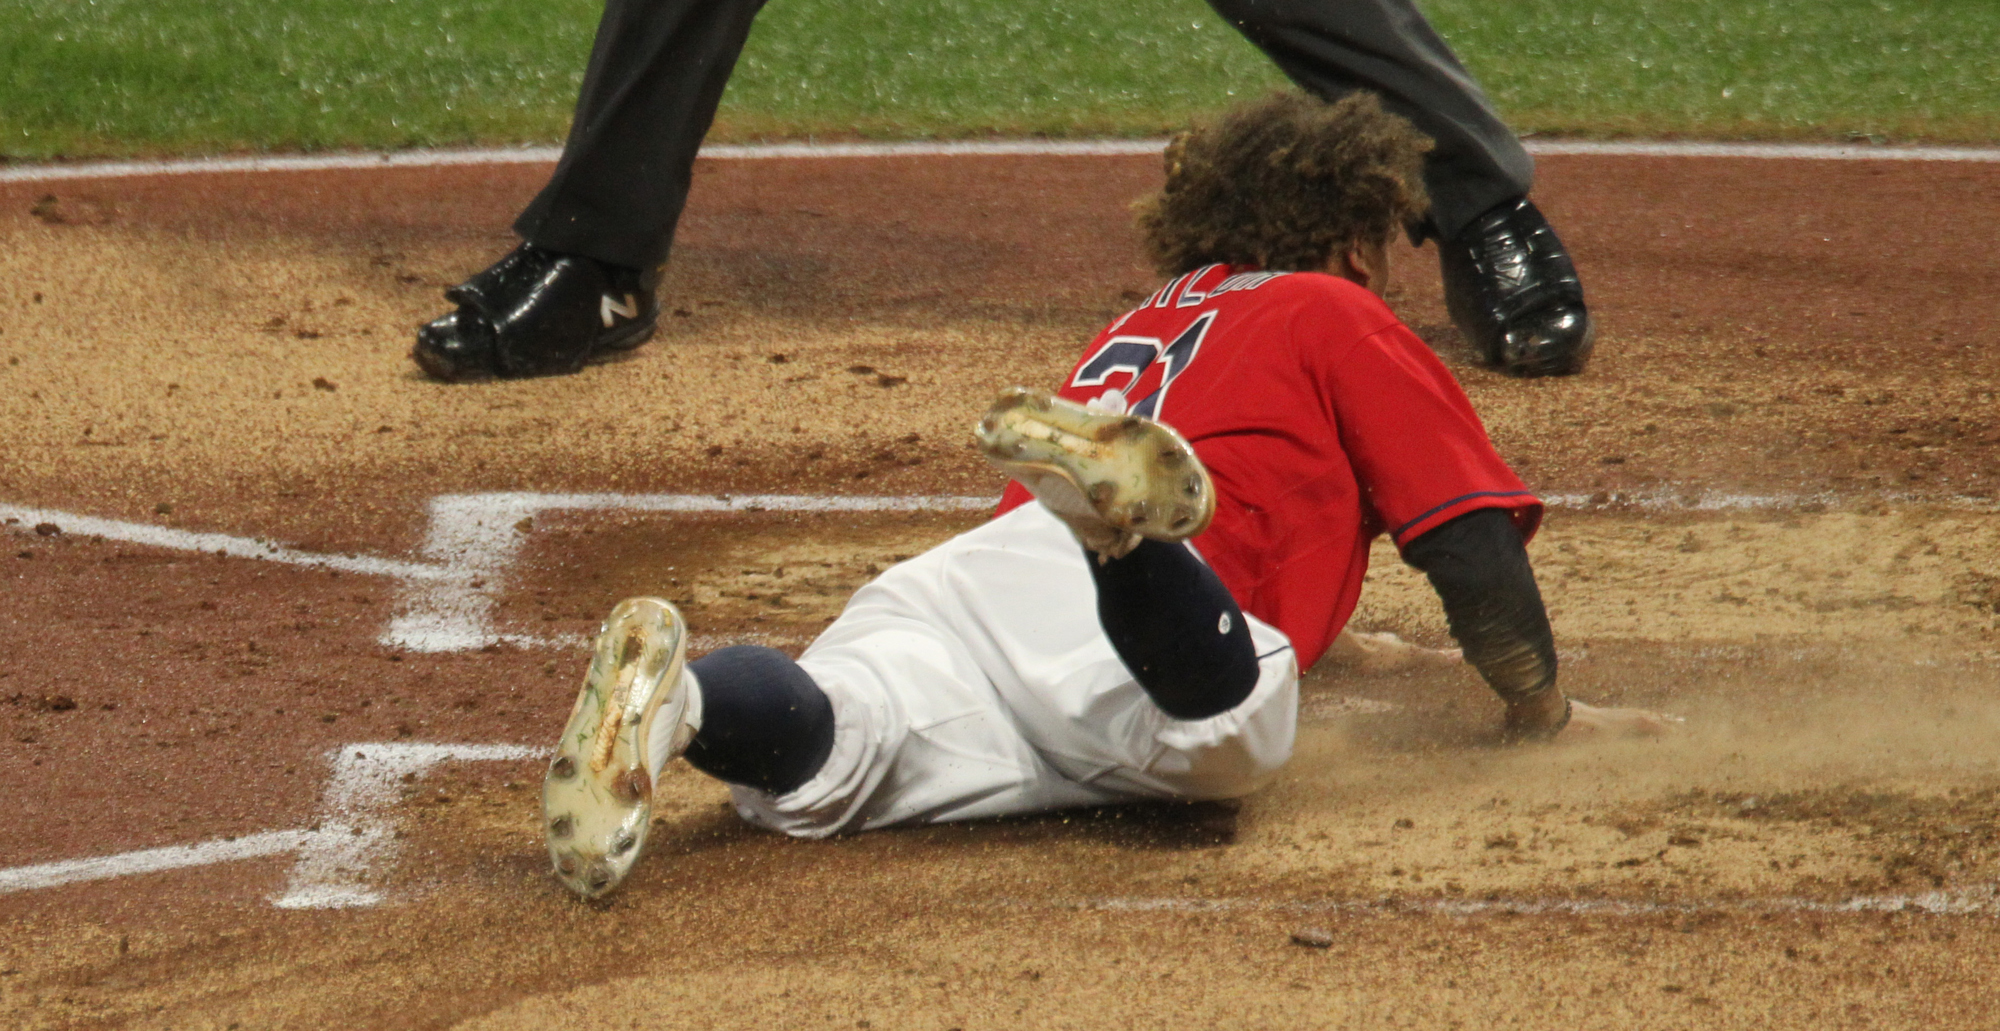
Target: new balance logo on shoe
608 308
531 314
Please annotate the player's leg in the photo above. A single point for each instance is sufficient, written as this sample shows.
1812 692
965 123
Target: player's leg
885 720
972 681
764 723
1018 591
749 716
1176 628
1509 282
1131 490
583 280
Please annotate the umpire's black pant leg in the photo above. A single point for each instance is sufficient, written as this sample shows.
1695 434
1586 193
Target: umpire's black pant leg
1330 47
655 76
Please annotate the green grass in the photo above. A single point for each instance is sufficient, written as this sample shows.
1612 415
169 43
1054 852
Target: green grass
954 67
93 77
1783 69
120 77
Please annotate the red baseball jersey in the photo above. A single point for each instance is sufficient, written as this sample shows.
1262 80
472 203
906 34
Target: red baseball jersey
1323 420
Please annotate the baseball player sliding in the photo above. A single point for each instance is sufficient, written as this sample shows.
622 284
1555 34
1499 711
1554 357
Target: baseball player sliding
1188 527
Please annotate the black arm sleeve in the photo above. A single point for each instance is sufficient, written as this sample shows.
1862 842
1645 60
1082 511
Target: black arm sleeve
1479 567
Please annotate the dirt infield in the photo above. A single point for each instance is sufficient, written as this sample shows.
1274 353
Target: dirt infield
1775 514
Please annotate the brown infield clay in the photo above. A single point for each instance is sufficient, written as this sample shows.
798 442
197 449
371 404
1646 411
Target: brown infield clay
225 353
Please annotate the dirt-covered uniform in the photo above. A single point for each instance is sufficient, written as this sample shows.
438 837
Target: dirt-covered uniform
976 680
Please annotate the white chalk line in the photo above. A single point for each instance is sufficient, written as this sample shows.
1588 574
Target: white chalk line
1765 151
351 844
1980 900
355 839
946 148
339 858
25 520
152 860
549 155
1682 499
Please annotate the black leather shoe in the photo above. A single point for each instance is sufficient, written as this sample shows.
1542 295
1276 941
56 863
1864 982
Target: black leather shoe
537 313
1514 294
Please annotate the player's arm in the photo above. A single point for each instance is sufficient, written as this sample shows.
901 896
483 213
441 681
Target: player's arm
1425 462
1428 468
1479 567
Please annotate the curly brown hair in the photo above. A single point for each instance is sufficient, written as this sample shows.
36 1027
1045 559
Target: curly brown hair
1285 182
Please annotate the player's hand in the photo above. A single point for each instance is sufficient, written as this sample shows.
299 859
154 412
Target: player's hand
1592 723
1384 652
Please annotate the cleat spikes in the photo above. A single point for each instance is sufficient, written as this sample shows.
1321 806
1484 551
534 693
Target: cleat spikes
597 814
1111 477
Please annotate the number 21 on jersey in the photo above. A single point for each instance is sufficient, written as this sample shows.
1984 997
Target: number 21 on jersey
1141 368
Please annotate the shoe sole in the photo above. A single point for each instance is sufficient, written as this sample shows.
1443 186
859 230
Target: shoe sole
627 338
613 347
597 797
1134 473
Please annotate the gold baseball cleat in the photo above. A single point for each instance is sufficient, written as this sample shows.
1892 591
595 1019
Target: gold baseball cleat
597 797
1113 478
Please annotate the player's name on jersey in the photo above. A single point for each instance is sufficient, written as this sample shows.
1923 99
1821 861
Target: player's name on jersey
1181 293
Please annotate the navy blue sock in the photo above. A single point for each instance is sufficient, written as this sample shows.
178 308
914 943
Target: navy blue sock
764 723
1176 628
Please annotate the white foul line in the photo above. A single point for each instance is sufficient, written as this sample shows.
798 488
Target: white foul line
355 837
1968 901
353 842
549 155
22 519
1677 499
945 148
1767 151
152 860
